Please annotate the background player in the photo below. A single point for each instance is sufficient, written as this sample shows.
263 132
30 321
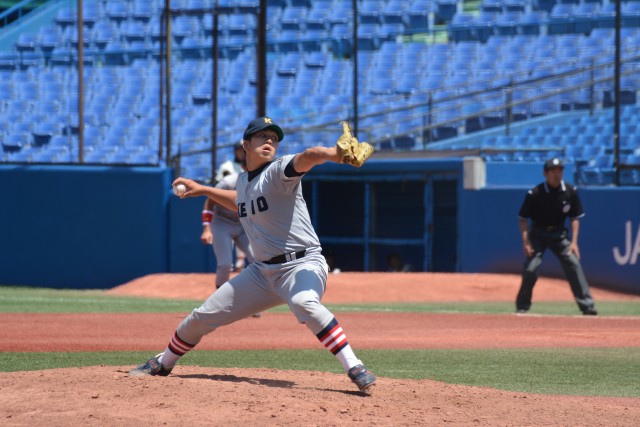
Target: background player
289 267
234 165
230 167
548 205
221 228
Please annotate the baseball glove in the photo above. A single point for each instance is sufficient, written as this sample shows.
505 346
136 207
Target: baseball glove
350 150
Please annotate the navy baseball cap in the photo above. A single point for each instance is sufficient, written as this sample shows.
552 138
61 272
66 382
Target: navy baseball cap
553 164
262 123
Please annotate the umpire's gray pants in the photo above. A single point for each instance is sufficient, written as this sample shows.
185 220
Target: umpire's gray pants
558 242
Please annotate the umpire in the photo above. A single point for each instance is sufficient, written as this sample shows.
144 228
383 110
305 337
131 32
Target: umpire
547 206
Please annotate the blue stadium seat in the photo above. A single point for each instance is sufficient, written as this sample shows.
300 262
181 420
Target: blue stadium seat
390 31
65 17
561 19
341 40
574 154
242 25
460 27
630 14
417 15
115 54
545 5
48 38
606 16
8 61
341 13
317 18
302 3
193 5
293 18
368 36
493 115
515 5
26 42
142 11
446 9
491 6
183 27
91 13
132 31
117 11
15 142
287 41
370 11
472 122
584 17
598 171
530 23
394 12
507 23
483 25
103 33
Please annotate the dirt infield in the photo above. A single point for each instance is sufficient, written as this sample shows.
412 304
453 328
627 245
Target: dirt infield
106 396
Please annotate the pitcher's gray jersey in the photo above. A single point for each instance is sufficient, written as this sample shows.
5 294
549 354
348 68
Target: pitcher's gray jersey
265 204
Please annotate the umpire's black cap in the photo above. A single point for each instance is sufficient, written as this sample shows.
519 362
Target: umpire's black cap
554 163
262 123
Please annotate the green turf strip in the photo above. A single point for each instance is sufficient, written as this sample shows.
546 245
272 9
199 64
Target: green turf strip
613 372
43 300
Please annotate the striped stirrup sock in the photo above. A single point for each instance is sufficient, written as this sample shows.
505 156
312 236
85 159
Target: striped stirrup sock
332 337
179 347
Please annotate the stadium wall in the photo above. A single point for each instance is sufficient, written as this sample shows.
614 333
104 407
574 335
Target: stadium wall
82 227
609 235
99 226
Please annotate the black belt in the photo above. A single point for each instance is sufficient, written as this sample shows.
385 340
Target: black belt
286 257
549 228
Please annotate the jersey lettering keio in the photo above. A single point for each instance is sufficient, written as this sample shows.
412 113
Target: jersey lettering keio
260 203
273 212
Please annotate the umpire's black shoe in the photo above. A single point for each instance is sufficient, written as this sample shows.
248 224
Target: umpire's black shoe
151 367
362 377
522 311
590 311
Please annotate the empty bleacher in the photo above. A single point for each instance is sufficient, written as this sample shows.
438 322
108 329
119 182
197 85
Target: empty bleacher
503 71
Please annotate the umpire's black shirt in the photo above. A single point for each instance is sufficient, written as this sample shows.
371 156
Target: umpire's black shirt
548 207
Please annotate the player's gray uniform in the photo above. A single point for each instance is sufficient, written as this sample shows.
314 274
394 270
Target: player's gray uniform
275 216
226 229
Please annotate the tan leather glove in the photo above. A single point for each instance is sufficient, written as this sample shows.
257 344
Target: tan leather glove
351 151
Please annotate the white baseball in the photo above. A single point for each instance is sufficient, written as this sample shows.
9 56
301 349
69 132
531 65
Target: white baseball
179 190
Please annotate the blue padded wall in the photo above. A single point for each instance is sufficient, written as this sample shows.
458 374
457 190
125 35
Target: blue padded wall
82 227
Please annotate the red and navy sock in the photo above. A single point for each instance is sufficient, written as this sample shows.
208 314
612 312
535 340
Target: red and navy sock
332 337
175 350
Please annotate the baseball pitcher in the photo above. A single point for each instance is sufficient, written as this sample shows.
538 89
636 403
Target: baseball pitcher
289 267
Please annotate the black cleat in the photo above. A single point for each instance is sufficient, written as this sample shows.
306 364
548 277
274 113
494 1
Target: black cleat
362 377
151 367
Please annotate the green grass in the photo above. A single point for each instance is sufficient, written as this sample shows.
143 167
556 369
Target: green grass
612 372
15 299
574 371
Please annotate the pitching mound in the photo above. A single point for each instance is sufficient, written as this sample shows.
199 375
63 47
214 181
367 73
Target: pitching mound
106 396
